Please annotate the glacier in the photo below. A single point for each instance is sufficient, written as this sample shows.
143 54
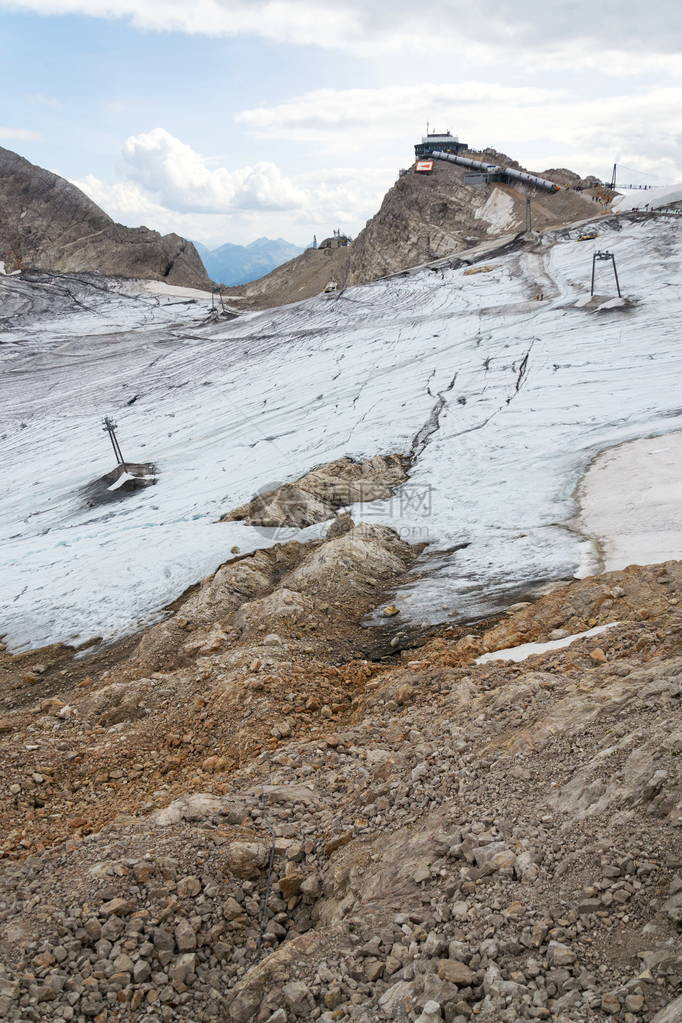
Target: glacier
503 385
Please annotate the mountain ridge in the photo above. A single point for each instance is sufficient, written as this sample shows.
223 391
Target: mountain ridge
49 224
424 217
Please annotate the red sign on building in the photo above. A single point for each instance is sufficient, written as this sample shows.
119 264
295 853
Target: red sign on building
424 166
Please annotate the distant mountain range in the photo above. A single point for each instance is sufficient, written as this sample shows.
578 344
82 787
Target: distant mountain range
238 264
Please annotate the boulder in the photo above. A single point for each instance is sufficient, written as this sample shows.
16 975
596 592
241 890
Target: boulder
455 972
559 954
671 1014
298 997
246 859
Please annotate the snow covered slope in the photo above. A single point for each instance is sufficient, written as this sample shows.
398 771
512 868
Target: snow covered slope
504 400
651 198
622 516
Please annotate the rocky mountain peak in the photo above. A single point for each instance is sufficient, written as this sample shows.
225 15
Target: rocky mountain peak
425 217
50 224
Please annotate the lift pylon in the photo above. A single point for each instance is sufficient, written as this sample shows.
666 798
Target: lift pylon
110 428
604 257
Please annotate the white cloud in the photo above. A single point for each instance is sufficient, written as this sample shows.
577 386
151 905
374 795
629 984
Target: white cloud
169 187
295 21
18 134
345 196
331 115
180 177
644 129
129 204
578 30
125 197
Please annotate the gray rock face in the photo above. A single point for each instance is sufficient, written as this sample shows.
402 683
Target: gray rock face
319 494
46 223
426 217
671 1013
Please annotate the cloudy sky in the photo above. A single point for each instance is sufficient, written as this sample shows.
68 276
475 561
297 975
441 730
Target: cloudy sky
225 120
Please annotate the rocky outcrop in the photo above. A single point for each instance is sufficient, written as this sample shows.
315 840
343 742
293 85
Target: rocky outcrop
564 176
424 217
46 223
319 494
421 218
333 582
277 838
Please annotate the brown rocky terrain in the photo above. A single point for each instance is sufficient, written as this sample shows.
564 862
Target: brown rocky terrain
424 217
303 276
260 810
46 223
319 494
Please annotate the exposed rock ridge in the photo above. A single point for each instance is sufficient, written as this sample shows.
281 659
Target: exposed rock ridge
424 217
48 224
319 494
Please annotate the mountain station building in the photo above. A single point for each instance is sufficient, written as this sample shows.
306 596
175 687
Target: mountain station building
443 141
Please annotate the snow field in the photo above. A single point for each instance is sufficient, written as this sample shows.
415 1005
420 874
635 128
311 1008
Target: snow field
504 399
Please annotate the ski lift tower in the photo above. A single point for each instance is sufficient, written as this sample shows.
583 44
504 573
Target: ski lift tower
604 257
110 428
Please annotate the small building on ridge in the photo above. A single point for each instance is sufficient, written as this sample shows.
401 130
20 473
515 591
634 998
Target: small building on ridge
443 141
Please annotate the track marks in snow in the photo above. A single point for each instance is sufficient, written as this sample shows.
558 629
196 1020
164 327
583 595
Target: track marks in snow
460 371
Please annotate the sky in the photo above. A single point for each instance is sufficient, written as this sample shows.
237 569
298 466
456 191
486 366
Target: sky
227 120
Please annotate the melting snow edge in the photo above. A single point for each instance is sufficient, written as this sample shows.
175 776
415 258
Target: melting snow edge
520 653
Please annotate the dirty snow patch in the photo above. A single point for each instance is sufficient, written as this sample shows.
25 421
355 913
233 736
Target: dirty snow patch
498 211
520 653
174 290
653 198
631 501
